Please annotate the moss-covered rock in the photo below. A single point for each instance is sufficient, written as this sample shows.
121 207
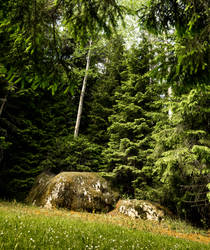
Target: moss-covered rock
79 191
142 209
39 188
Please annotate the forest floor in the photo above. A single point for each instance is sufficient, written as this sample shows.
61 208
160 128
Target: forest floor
174 228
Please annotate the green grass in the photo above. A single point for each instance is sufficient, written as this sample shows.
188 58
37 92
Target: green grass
182 226
22 229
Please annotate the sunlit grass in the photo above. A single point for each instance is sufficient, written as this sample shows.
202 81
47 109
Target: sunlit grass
23 227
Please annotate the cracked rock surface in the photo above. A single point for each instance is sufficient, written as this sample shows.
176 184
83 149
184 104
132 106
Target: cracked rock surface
79 191
142 209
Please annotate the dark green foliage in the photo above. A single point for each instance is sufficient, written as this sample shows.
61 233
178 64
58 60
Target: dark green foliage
30 123
27 43
72 154
181 146
182 156
185 15
4 144
190 23
36 134
87 18
23 151
131 124
34 49
101 98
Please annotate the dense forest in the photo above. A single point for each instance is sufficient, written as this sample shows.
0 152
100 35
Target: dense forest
140 71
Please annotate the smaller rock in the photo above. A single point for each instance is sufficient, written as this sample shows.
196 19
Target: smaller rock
142 209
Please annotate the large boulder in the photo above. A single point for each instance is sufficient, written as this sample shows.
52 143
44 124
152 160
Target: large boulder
142 209
79 191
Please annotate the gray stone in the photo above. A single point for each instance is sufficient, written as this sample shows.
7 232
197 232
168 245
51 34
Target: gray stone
142 209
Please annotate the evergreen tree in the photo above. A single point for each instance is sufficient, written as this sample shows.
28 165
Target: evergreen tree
189 21
131 124
32 38
109 66
30 123
181 156
181 152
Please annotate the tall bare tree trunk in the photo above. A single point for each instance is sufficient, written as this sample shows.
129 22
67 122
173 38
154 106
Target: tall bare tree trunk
79 113
170 96
4 100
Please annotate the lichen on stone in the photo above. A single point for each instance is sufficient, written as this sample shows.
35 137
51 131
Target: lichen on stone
57 189
142 209
75 190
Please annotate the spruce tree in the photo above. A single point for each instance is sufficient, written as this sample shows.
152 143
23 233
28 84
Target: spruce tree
109 66
181 147
182 155
29 126
131 123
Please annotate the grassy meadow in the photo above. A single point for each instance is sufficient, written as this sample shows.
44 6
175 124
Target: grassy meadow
24 227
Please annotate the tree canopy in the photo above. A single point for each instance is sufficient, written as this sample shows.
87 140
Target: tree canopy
189 21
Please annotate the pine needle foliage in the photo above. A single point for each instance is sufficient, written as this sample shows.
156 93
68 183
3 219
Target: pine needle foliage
189 21
181 155
130 125
110 64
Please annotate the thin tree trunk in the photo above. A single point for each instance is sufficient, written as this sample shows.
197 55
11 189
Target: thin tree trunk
79 113
4 100
170 95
